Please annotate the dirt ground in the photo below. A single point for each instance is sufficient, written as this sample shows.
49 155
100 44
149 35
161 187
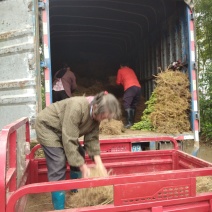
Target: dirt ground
204 150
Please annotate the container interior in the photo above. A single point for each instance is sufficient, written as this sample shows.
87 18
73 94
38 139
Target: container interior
94 37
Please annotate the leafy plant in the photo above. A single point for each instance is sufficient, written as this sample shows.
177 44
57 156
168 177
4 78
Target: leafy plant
206 102
145 123
203 9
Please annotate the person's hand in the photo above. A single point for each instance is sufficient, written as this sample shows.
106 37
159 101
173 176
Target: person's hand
100 166
85 171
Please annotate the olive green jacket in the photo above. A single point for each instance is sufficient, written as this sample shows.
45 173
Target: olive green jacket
62 123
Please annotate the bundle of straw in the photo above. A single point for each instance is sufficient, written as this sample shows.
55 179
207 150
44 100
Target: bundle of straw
91 196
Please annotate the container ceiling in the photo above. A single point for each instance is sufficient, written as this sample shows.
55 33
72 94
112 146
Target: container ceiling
112 27
117 23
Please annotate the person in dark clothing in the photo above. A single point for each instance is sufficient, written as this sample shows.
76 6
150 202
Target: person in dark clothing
132 92
64 84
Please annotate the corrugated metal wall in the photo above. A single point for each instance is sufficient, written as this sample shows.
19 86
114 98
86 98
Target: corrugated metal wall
20 61
161 48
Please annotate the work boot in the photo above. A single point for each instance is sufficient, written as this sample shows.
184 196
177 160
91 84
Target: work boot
75 175
128 118
58 200
133 115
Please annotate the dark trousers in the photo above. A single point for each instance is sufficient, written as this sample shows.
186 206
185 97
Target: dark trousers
56 162
59 95
131 97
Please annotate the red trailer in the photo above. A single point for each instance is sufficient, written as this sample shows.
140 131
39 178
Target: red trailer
145 181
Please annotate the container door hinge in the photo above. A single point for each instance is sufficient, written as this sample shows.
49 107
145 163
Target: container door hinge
43 64
196 115
195 65
41 5
192 16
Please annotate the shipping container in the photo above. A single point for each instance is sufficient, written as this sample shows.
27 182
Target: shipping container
92 36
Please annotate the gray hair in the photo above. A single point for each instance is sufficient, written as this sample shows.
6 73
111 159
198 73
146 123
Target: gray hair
107 103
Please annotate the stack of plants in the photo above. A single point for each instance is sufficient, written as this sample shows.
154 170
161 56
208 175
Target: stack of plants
168 108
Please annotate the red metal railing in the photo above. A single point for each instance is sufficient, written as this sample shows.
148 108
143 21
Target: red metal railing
8 158
177 172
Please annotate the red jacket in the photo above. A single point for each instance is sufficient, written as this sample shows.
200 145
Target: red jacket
126 77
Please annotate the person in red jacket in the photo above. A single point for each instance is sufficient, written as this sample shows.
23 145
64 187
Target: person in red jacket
132 92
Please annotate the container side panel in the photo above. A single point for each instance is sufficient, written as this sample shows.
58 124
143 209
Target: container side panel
166 44
20 61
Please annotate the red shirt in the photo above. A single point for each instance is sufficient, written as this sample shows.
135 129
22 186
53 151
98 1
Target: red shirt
126 77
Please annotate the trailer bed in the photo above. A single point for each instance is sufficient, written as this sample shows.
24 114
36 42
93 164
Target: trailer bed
153 180
164 180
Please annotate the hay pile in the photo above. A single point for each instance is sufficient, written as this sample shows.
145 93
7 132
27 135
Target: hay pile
111 127
204 184
171 111
169 105
88 87
91 196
